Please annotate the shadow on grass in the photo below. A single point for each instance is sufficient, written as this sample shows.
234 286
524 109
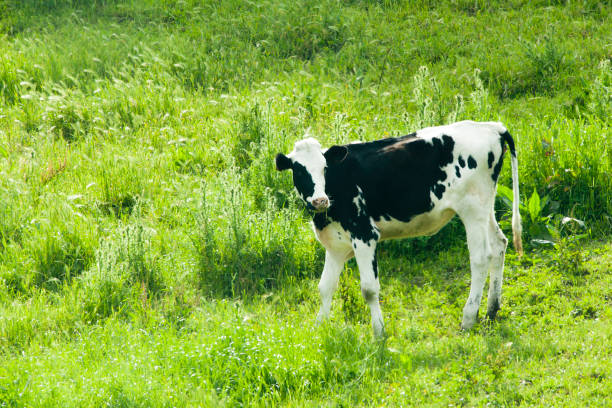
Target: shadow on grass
487 346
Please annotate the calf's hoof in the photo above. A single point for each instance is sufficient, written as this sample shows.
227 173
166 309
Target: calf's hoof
492 310
468 323
379 330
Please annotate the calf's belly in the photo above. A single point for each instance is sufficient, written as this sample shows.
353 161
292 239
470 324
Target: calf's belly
423 224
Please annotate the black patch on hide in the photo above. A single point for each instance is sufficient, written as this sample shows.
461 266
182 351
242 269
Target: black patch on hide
471 162
302 180
461 162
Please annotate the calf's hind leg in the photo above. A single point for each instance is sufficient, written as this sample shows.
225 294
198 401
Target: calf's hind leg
477 230
498 251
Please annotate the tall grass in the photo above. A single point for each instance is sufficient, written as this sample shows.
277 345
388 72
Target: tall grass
139 90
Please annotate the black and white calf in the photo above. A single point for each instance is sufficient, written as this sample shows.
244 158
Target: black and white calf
408 186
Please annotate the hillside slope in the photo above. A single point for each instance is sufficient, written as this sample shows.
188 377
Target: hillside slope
150 255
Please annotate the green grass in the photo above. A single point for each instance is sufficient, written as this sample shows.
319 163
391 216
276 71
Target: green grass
150 255
550 346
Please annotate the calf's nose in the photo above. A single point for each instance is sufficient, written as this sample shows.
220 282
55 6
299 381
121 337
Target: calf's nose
320 203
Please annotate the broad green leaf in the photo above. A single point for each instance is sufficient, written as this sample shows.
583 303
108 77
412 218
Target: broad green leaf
544 202
534 206
505 192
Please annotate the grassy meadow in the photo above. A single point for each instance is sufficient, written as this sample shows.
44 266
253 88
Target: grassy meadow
151 256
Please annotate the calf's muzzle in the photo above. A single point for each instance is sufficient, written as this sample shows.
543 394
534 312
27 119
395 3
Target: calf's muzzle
320 204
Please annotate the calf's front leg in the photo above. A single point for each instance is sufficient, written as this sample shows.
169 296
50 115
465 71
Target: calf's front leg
334 262
365 255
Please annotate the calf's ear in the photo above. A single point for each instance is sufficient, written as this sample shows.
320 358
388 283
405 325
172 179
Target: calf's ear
282 162
335 154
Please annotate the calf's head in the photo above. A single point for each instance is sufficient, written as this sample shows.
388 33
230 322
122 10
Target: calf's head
308 163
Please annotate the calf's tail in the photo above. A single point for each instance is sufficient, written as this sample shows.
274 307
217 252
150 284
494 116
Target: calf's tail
517 229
